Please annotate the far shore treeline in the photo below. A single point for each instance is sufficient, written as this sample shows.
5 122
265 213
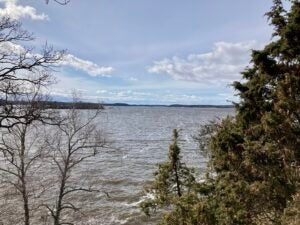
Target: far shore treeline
91 105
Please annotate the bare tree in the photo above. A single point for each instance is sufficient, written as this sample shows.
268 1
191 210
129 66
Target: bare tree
20 68
76 140
24 77
21 148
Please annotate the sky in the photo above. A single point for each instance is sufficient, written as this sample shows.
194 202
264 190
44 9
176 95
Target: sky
147 51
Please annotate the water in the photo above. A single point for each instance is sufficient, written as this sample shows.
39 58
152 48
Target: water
141 136
139 139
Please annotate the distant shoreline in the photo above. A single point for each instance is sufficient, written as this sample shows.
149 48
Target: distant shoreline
170 106
90 105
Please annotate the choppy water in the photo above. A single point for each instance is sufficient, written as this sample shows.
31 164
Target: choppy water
141 136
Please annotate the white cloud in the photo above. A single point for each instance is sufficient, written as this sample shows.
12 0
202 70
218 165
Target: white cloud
15 11
8 47
87 66
99 92
223 63
69 60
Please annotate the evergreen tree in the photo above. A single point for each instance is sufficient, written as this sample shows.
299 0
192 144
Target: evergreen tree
255 156
173 183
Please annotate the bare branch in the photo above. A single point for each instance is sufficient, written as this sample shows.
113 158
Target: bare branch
77 140
61 2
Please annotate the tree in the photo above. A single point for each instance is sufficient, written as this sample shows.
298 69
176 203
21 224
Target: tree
24 77
20 154
75 140
254 156
21 151
24 112
173 182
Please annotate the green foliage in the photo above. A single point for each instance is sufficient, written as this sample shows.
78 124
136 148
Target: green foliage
173 182
204 136
292 212
255 156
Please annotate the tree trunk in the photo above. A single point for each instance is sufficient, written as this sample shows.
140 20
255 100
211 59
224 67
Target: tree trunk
23 179
177 181
61 193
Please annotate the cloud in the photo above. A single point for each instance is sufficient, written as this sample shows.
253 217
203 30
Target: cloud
68 60
97 91
15 11
223 63
87 66
9 47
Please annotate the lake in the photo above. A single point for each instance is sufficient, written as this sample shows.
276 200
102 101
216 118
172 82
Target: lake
140 137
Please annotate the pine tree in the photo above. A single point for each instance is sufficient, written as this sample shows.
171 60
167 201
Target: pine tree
173 182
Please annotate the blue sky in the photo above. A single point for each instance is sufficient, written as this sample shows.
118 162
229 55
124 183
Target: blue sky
147 51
